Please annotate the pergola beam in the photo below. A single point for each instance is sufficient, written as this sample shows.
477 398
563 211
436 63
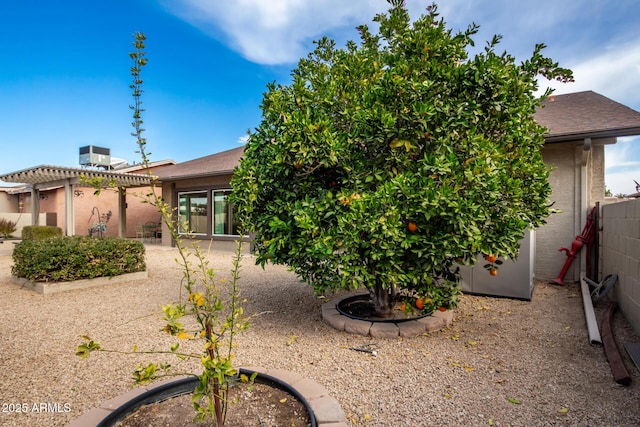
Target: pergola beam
44 176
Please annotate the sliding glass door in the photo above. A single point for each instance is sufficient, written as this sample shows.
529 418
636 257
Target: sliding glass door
193 212
223 220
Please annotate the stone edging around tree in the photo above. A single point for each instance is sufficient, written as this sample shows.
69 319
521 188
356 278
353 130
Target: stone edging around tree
326 409
53 287
408 328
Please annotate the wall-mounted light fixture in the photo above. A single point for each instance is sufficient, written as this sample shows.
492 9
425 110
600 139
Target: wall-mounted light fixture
78 193
43 196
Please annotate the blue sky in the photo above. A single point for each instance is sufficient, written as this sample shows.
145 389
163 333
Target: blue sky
64 75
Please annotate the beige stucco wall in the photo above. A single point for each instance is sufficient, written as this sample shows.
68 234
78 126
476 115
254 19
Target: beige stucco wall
8 202
572 169
621 255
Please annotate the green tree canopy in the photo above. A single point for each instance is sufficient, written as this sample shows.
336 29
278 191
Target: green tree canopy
385 163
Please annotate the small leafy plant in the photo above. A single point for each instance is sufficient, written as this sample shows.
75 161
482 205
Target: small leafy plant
7 227
212 304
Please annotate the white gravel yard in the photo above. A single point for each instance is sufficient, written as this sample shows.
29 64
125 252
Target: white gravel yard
503 362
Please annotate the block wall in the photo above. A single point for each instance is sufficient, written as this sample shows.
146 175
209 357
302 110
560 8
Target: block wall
620 252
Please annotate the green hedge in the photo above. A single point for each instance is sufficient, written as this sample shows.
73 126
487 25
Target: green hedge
77 257
37 232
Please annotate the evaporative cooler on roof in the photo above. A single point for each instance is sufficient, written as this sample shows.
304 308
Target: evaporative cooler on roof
95 156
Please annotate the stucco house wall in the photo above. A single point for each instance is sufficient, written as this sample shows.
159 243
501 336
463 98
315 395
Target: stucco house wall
15 206
577 182
8 202
24 219
88 207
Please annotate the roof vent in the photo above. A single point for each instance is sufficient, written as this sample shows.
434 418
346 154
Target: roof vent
95 156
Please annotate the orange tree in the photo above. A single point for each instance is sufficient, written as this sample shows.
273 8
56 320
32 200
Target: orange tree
385 163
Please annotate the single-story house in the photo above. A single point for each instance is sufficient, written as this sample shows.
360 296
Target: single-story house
200 188
580 125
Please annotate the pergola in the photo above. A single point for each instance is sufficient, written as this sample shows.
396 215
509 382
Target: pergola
45 177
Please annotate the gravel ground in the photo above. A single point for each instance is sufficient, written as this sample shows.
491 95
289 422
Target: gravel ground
503 362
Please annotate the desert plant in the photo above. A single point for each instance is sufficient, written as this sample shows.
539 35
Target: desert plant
7 227
386 163
213 304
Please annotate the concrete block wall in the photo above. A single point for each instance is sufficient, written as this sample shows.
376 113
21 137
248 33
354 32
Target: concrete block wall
620 248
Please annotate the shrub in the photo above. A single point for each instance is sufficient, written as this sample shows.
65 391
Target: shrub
39 232
7 227
76 257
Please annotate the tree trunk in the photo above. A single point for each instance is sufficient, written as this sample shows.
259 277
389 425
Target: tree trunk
384 299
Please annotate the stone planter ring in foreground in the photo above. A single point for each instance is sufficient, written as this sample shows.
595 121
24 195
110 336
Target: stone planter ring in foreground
324 409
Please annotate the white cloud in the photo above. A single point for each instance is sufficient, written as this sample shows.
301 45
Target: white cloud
614 73
243 139
275 31
621 155
281 31
622 165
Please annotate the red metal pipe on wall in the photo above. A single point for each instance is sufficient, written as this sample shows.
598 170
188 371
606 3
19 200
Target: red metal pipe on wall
586 237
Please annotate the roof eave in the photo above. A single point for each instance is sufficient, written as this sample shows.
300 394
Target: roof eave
608 133
194 176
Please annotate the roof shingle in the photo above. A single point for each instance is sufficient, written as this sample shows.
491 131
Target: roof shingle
214 164
586 115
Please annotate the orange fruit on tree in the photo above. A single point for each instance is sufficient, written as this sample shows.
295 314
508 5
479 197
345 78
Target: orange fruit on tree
443 308
420 303
412 227
491 258
493 272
